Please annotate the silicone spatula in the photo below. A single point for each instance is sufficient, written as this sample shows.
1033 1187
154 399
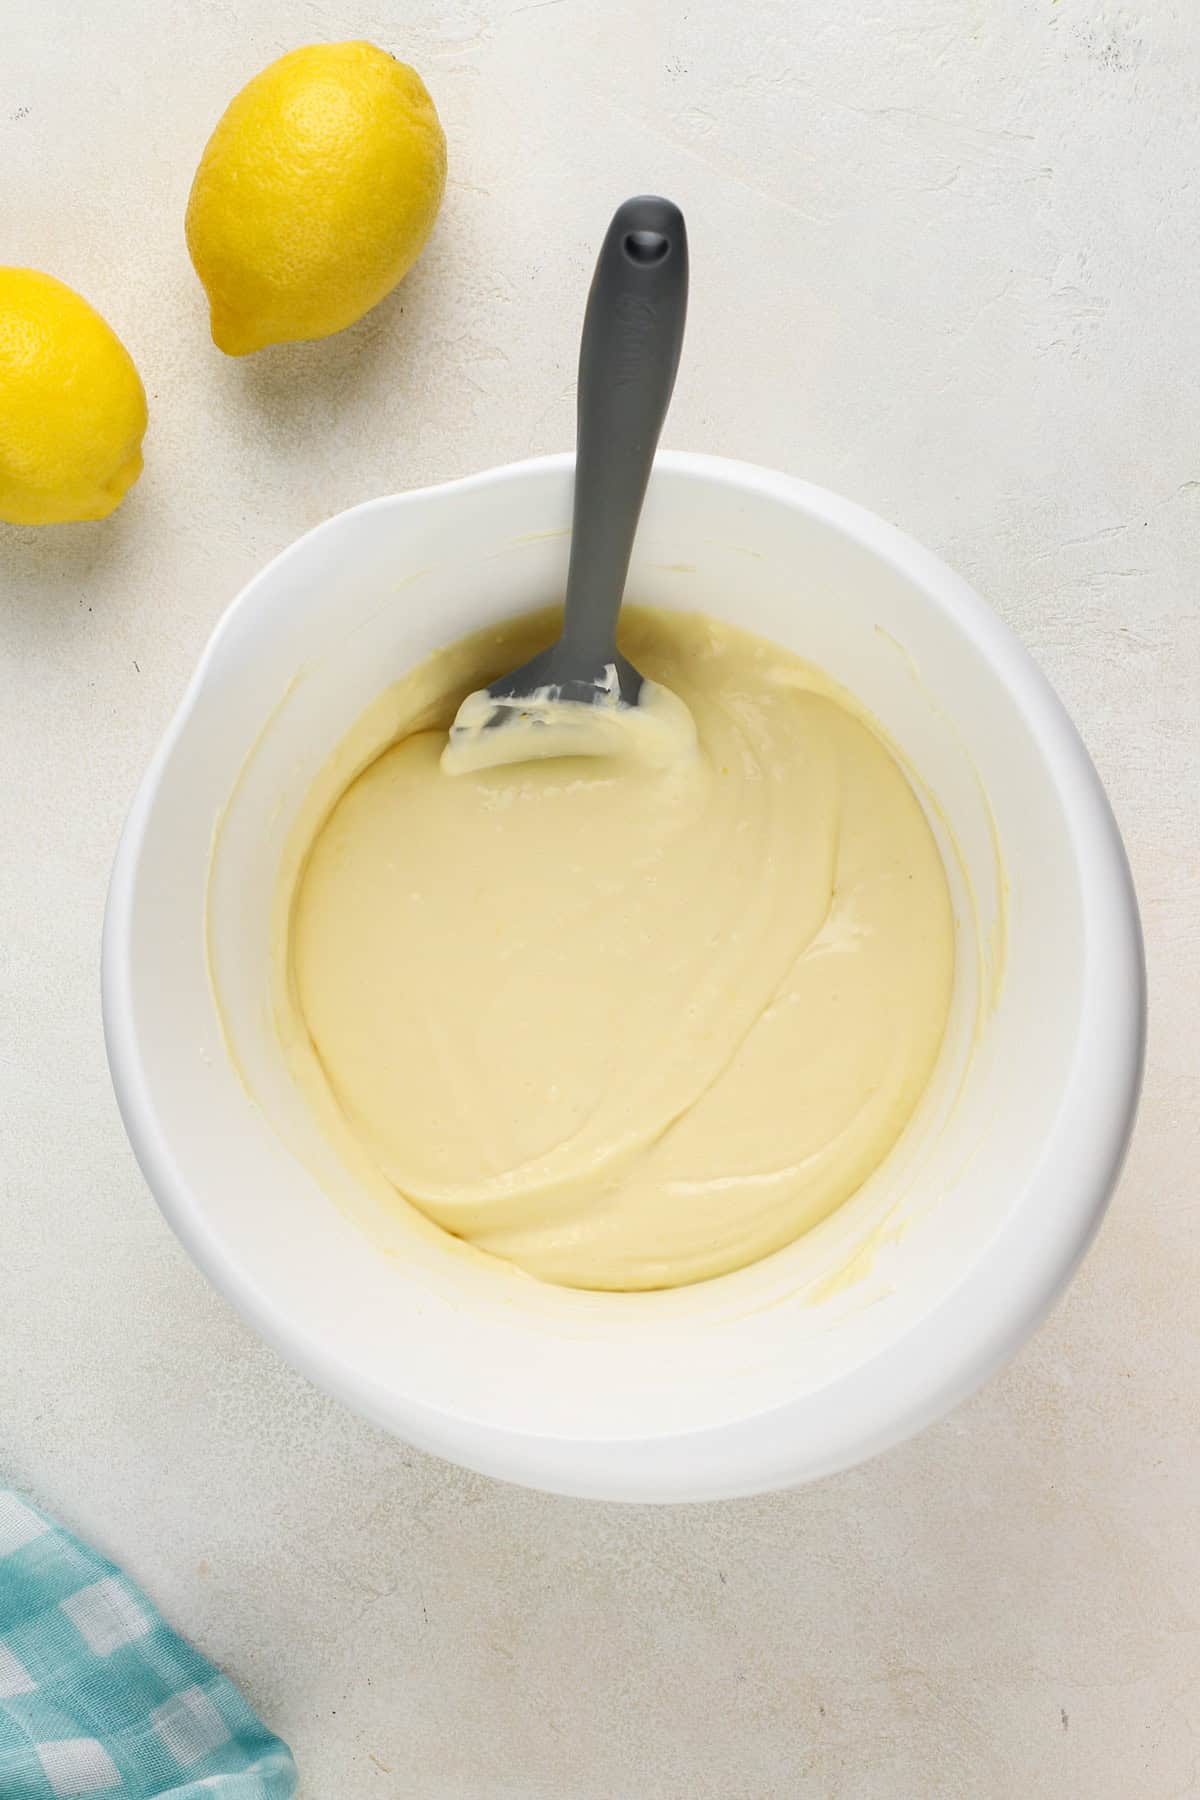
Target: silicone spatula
632 336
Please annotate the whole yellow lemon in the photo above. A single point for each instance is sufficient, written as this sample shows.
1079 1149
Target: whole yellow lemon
72 406
315 194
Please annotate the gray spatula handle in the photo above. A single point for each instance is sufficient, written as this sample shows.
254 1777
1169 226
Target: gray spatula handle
632 336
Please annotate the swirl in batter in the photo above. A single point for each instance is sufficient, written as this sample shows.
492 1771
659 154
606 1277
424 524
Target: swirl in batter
628 1026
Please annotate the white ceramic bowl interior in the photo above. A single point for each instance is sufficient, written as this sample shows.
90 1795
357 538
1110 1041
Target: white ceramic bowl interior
822 1354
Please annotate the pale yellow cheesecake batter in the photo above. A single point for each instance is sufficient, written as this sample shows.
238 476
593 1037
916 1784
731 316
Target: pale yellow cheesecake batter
627 1025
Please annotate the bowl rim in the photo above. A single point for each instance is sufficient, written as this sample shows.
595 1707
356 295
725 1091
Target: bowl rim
1004 1295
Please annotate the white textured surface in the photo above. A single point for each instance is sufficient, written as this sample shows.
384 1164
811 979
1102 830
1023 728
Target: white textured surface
945 258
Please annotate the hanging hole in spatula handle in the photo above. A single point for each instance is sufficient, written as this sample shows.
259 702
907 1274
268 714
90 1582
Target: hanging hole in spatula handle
646 246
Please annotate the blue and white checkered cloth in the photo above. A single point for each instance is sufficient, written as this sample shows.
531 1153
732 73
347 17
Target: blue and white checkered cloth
97 1694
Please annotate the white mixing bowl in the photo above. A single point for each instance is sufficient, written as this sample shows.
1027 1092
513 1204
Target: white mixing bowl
873 1324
